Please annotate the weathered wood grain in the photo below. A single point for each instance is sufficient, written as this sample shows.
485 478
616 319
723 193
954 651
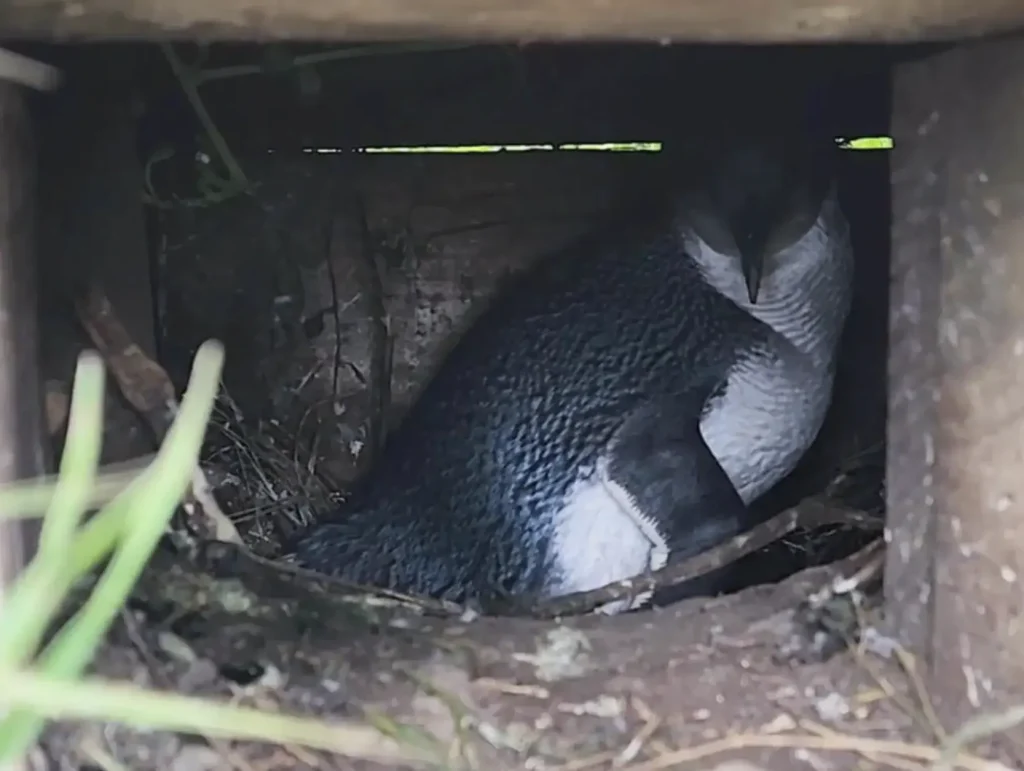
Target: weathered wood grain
695 20
956 455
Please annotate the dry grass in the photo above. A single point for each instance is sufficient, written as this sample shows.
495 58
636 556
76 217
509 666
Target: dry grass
943 752
269 485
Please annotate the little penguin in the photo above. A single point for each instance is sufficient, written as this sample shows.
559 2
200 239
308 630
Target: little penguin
619 404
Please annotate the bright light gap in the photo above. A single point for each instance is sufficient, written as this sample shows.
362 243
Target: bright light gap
856 143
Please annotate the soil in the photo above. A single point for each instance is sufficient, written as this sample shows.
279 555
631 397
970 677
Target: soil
684 687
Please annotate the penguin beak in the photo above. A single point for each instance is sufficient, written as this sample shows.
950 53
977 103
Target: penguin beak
752 261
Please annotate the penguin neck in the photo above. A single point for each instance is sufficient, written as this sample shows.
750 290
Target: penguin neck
805 291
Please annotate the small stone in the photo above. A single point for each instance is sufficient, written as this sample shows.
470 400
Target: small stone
196 757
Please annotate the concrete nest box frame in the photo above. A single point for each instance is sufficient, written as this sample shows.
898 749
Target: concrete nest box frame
954 467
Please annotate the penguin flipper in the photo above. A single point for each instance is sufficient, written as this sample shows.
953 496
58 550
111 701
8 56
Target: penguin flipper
671 481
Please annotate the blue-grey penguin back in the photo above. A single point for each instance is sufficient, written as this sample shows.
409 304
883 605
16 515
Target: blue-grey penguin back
468 498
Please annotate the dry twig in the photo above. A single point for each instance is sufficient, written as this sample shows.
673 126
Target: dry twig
147 387
979 727
381 339
833 741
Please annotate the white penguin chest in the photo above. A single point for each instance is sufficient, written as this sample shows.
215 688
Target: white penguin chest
777 396
769 414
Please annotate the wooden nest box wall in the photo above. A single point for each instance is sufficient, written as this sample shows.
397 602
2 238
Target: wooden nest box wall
953 285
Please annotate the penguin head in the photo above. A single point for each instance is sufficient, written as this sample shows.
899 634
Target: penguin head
750 197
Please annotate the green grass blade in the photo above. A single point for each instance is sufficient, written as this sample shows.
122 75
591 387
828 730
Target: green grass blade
30 604
80 459
30 500
93 699
156 494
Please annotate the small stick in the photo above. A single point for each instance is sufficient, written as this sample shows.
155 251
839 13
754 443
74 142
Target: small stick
148 388
808 514
381 339
143 382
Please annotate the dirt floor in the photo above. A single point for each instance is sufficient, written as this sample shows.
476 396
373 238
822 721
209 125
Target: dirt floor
686 687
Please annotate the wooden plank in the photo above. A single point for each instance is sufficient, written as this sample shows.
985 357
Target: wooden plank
92 229
738 21
956 468
539 94
914 366
21 449
103 218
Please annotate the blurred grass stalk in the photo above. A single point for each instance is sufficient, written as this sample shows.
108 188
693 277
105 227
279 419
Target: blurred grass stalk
48 685
123 533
